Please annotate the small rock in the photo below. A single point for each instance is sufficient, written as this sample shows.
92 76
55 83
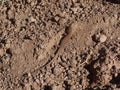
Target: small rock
103 38
11 14
27 87
73 87
74 1
118 38
33 19
57 70
57 18
74 63
74 9
62 21
29 1
32 3
83 15
7 45
36 86
2 52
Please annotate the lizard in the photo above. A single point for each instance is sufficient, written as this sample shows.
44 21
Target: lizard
63 41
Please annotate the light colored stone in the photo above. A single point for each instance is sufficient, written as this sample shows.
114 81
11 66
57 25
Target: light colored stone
75 9
11 14
57 18
74 1
27 87
2 52
118 38
29 1
103 38
36 86
74 63
33 19
7 45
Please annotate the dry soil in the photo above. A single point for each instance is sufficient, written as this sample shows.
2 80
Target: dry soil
60 45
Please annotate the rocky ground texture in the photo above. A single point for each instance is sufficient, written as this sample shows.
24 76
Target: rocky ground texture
60 45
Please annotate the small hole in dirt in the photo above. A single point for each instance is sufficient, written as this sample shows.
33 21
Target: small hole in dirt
67 86
113 67
52 70
92 76
95 39
8 51
0 45
26 20
46 87
13 21
3 41
53 20
116 80
102 55
67 30
113 49
83 56
80 81
107 87
26 37
118 56
38 1
1 61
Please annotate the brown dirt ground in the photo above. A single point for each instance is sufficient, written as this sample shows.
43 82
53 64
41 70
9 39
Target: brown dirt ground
60 45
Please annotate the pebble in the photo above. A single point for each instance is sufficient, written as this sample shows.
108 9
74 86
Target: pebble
74 63
32 3
27 87
1 52
29 1
11 14
74 1
7 45
57 18
36 86
74 9
33 19
103 38
118 38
